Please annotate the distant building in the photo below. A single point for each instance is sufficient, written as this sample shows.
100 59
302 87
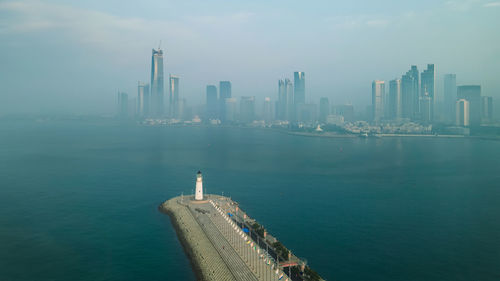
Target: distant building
427 90
462 113
224 94
299 81
173 100
122 105
212 105
267 110
324 109
230 109
472 93
290 100
306 113
337 120
394 102
247 109
345 110
142 99
378 93
157 85
282 112
410 93
487 109
450 96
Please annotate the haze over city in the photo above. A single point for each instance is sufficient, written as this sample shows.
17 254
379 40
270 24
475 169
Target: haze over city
71 57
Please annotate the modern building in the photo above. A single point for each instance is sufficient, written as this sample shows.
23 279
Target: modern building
462 113
282 101
247 109
427 90
410 93
224 94
394 101
299 91
212 105
324 109
230 110
267 113
142 99
306 113
486 109
156 107
472 93
450 96
290 108
378 93
173 100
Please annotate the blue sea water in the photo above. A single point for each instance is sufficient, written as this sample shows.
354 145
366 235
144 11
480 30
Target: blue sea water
78 200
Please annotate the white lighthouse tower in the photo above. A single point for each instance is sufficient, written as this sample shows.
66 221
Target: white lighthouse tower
198 195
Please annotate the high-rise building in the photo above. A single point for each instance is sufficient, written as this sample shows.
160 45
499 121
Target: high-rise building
345 110
282 101
462 113
142 99
224 93
122 105
486 109
157 86
410 93
450 96
247 109
299 89
378 93
230 109
427 90
289 97
472 93
212 102
324 109
394 102
173 100
267 110
306 113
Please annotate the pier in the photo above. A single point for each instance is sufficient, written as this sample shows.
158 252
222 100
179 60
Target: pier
224 243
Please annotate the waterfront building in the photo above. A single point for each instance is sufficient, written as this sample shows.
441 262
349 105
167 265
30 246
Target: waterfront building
290 102
324 109
306 113
487 109
267 110
472 93
394 102
378 93
334 119
173 101
230 109
199 187
211 109
345 110
299 87
142 99
157 86
247 109
410 93
450 96
462 113
427 90
224 94
282 101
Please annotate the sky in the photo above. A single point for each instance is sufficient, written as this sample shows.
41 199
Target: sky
72 57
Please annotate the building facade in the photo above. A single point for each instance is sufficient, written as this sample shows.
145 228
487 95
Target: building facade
156 107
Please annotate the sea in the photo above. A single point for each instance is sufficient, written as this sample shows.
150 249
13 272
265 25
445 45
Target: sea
79 200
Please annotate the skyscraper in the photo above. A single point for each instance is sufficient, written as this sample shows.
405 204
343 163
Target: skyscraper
486 109
450 96
427 90
224 93
324 109
394 102
289 97
462 113
267 110
378 93
142 99
282 101
230 109
122 105
212 102
472 93
299 90
157 85
410 93
173 100
247 109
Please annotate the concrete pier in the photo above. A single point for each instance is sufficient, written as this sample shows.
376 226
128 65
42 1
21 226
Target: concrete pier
219 243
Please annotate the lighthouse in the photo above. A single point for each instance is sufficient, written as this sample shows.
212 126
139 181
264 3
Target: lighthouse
198 195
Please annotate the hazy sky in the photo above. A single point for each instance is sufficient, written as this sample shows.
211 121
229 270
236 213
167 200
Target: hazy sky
72 56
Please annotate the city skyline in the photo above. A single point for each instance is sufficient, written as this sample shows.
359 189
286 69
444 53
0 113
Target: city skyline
106 62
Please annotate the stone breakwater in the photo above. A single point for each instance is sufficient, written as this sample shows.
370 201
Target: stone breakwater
205 260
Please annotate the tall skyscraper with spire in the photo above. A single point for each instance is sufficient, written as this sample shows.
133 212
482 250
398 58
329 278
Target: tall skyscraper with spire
157 85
